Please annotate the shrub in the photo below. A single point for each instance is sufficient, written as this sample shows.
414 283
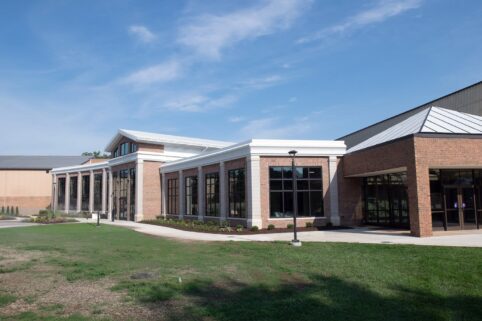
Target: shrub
309 224
290 226
43 212
254 229
329 224
239 228
271 227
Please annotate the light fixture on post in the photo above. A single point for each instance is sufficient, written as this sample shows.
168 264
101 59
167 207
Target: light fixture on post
295 241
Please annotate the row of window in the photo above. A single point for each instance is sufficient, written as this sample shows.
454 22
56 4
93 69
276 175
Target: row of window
309 192
124 149
85 192
236 194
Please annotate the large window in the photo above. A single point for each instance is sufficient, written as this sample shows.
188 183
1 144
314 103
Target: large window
73 193
191 195
172 196
61 193
123 187
386 200
115 193
124 149
132 191
133 148
97 192
212 194
237 193
309 191
85 192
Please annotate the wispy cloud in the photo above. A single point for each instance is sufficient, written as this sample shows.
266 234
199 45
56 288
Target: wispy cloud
142 33
236 119
275 127
166 71
262 82
209 34
199 102
383 10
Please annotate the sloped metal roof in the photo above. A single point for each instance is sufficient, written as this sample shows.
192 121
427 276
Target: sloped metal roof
430 120
155 138
39 162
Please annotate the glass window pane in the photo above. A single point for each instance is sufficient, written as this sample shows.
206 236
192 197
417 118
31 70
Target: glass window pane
276 204
302 185
316 203
303 204
315 172
275 172
315 185
275 185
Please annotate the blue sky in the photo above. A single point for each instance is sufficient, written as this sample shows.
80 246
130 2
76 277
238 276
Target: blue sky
72 72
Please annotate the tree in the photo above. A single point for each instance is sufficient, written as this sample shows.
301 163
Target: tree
96 154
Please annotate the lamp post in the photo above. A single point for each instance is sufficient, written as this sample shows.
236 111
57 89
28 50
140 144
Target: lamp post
295 241
54 199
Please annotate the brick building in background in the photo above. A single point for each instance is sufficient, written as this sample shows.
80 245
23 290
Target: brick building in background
421 170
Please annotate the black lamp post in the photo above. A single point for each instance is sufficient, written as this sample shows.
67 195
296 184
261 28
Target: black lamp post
295 241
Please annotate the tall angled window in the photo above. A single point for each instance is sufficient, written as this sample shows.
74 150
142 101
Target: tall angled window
132 191
61 193
172 196
191 195
212 194
97 192
237 193
73 193
309 191
85 192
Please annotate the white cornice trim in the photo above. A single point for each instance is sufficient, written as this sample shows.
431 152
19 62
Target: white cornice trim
260 147
80 168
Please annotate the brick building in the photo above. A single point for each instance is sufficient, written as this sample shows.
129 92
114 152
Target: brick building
421 170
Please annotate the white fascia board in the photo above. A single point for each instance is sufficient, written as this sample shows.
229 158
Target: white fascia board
382 172
80 168
260 147
145 156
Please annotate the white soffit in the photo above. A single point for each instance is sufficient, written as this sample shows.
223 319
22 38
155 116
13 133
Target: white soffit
430 120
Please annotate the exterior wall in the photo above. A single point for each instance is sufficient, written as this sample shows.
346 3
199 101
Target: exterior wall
438 152
350 202
417 154
151 190
30 190
266 162
150 148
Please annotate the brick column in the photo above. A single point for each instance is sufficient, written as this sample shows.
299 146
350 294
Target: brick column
104 190
67 193
254 192
333 190
139 216
222 192
91 192
200 193
181 195
419 200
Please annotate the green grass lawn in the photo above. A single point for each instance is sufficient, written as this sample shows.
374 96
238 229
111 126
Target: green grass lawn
134 276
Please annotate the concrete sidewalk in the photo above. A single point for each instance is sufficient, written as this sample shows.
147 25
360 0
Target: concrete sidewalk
357 235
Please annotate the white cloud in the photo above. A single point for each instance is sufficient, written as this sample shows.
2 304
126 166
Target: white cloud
166 71
209 34
199 102
236 119
274 128
262 82
293 100
383 10
142 33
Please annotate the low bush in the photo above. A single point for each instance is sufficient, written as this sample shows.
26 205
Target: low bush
254 229
51 220
271 227
210 226
309 224
329 224
290 226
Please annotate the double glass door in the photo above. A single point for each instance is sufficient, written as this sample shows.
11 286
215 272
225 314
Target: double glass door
460 208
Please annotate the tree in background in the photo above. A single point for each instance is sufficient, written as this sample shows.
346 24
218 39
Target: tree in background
96 154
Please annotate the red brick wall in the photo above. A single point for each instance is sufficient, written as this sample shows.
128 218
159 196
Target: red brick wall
266 162
151 190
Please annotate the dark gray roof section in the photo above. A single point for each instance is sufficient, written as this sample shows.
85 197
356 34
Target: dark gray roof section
466 100
40 162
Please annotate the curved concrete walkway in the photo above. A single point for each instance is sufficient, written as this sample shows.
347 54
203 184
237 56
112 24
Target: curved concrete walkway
356 235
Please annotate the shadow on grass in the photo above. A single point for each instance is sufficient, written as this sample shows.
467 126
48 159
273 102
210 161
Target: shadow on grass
324 298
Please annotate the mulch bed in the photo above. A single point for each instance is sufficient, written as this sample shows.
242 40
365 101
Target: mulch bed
248 232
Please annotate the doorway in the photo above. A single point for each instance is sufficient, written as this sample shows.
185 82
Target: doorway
460 208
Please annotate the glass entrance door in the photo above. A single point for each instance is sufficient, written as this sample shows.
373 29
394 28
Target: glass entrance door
452 215
460 208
